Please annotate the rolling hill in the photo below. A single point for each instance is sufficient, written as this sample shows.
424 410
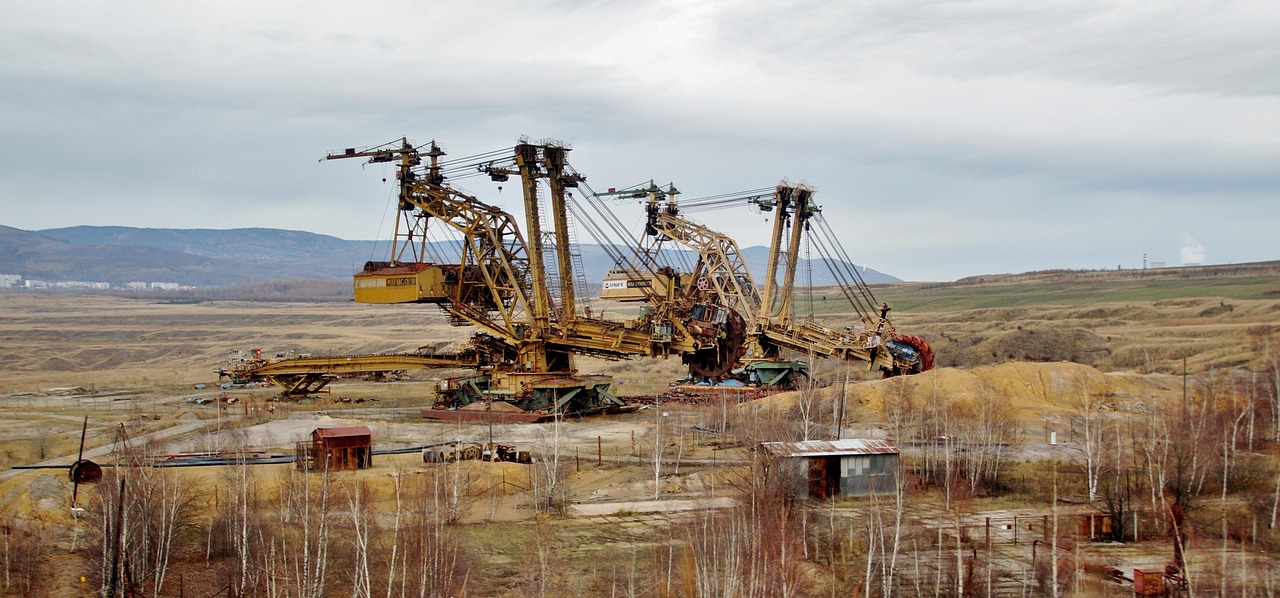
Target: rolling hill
210 258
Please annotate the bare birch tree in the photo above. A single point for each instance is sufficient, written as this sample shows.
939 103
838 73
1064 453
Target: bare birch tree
360 515
25 545
550 472
658 450
434 564
1090 430
141 512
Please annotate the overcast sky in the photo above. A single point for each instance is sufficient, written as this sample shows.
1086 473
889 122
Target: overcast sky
945 139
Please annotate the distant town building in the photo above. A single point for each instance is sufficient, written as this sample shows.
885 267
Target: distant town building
1157 264
16 280
152 286
65 284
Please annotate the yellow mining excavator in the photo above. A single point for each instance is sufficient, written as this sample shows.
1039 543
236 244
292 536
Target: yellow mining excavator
492 275
517 286
763 322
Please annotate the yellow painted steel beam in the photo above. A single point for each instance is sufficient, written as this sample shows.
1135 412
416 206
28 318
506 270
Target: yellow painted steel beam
808 338
356 364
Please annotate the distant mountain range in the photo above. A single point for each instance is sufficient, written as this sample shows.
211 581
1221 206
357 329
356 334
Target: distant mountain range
209 258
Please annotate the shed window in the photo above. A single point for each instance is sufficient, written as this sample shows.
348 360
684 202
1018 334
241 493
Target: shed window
855 466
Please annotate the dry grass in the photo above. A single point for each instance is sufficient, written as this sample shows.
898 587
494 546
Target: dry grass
135 359
49 341
108 342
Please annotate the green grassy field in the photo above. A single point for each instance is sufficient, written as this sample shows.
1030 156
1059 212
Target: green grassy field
930 297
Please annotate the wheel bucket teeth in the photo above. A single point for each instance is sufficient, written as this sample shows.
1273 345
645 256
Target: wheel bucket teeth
715 364
923 348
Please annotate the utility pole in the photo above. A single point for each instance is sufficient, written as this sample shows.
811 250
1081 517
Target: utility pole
114 580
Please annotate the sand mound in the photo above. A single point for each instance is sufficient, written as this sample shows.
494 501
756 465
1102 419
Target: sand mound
37 494
1033 388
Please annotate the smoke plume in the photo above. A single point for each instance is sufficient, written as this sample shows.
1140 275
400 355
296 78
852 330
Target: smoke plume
1192 250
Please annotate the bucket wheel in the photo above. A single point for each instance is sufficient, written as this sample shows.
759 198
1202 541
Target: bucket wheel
715 363
923 352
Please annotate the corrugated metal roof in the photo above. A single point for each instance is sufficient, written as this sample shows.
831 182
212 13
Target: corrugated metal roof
830 448
343 432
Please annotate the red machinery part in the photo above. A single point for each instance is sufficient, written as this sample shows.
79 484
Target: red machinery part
85 471
922 347
715 363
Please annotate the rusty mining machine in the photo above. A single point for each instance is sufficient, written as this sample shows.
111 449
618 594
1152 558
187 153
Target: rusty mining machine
761 322
497 279
473 260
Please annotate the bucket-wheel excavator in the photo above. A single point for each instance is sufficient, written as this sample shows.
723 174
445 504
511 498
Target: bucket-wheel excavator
517 286
764 320
495 277
718 289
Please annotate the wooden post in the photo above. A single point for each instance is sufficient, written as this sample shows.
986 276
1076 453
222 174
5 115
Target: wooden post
75 490
988 555
115 553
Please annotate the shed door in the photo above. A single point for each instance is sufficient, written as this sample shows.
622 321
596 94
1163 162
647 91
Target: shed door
819 478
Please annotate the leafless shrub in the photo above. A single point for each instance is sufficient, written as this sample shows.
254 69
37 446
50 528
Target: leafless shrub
754 549
751 550
964 441
434 564
139 513
763 423
550 474
25 545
